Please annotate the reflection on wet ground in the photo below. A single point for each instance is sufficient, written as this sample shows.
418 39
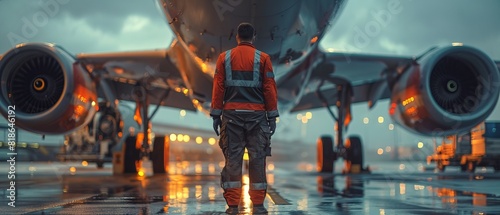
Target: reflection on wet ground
295 188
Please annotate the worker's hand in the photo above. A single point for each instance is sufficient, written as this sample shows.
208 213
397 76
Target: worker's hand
272 125
217 124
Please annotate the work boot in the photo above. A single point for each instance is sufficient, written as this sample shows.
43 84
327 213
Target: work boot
232 210
259 209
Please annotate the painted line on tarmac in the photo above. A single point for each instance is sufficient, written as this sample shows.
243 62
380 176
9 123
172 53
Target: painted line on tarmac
275 196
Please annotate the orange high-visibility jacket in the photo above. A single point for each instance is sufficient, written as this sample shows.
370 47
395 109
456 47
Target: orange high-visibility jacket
244 80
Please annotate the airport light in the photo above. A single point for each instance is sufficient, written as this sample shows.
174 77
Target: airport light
299 116
391 127
304 120
270 167
420 145
380 151
457 44
388 149
180 137
277 120
85 163
366 120
211 141
140 173
173 137
380 119
72 169
309 115
330 50
182 113
199 140
187 138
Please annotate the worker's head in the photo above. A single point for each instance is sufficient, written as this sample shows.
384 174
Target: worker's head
246 33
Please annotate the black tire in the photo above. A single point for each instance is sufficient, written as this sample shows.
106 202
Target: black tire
325 155
471 166
131 155
440 166
355 151
100 164
160 154
463 168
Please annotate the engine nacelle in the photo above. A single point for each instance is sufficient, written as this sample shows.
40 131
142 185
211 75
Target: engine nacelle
448 92
48 92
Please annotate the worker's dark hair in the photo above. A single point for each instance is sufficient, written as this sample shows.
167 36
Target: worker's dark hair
246 31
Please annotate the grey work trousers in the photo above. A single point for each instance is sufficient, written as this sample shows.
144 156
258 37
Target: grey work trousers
240 130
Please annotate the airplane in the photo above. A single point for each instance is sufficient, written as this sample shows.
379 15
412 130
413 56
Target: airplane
442 91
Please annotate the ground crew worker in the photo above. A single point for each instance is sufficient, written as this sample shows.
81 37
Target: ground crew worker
244 94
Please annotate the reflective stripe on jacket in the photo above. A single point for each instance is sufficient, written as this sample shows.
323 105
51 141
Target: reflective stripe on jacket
244 80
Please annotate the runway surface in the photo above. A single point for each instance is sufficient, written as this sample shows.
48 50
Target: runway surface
295 188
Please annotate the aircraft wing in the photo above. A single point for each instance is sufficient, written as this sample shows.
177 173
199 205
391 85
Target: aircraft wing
162 70
366 74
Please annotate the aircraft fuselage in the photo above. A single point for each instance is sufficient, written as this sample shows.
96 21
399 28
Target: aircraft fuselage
287 30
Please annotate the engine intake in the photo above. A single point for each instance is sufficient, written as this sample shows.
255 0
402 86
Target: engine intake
51 94
448 92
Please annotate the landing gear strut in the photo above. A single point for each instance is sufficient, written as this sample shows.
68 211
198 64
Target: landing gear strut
136 150
351 151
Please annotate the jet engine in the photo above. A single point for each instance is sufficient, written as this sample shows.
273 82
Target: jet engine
43 90
448 92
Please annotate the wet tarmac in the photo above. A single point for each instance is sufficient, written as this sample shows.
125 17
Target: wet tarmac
295 188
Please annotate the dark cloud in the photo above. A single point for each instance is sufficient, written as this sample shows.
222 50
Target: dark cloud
84 26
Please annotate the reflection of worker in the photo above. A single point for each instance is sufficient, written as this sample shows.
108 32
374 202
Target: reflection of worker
244 94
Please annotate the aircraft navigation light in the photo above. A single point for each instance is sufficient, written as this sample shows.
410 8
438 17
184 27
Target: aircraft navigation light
314 39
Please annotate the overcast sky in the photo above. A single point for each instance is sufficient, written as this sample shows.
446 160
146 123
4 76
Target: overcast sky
118 25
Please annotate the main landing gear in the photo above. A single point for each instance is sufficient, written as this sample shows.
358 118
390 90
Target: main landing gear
136 148
351 151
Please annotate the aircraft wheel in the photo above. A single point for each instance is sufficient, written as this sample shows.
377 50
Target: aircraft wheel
325 155
100 164
160 154
497 167
355 151
131 161
440 166
463 167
